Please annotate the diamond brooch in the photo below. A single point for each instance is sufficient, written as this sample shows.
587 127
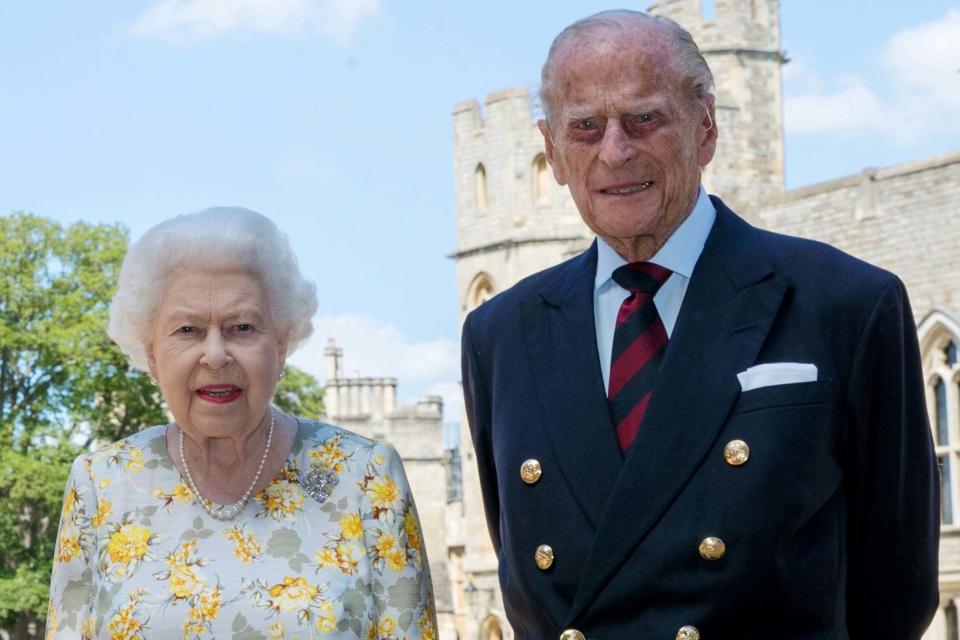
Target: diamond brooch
318 482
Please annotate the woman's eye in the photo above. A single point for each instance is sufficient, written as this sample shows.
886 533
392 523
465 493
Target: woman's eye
243 327
186 329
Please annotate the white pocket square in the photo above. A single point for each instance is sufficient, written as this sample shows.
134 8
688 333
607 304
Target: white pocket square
771 373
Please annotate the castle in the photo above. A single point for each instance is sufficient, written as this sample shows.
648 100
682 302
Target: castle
513 220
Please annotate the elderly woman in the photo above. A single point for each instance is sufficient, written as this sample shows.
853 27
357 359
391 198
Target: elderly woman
234 520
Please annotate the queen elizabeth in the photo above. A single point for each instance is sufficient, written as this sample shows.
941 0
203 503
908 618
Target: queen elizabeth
234 520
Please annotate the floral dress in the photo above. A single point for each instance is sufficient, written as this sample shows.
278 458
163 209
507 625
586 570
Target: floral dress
138 557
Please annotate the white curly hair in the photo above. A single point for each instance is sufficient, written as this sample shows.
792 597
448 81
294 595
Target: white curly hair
217 238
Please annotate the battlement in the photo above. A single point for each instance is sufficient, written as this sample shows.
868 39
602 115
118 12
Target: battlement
506 105
735 26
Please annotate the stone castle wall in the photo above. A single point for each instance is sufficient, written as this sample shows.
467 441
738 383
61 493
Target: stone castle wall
905 219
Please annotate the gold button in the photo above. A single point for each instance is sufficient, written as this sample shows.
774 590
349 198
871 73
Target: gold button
530 471
736 452
688 633
572 634
544 557
712 548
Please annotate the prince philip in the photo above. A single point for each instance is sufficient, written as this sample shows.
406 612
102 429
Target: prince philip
695 429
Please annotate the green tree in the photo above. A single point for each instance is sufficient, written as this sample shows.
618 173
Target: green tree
299 394
63 384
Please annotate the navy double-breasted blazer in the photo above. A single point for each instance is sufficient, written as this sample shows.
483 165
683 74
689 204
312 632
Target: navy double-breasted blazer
831 527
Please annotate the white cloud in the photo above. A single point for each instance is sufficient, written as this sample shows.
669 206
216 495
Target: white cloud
928 58
922 65
374 348
853 109
188 21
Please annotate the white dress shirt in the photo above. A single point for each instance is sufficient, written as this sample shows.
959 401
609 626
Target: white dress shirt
679 254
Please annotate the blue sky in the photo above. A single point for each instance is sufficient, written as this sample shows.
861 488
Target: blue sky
333 118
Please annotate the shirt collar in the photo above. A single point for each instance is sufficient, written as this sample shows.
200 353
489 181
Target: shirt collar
679 253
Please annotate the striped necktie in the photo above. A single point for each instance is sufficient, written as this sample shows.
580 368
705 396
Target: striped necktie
639 341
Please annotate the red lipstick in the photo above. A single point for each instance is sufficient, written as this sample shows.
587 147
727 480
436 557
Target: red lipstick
219 393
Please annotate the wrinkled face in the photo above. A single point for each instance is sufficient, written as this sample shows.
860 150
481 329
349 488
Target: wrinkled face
215 352
625 139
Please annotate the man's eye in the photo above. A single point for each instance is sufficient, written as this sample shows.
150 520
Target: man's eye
636 122
588 124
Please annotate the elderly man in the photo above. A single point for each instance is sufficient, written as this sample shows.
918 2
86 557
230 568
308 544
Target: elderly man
695 429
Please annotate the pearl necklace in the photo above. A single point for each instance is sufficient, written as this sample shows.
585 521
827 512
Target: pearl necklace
229 512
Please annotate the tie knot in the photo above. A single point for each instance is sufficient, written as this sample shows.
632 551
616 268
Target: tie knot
644 277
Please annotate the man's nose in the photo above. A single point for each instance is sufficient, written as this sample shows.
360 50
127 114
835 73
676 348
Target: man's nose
616 147
216 353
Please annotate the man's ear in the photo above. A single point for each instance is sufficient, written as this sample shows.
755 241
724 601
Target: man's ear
558 172
707 131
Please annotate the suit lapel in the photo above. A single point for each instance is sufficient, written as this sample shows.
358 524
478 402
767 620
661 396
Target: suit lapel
729 306
560 335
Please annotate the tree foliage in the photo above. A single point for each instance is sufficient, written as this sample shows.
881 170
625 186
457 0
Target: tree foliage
299 394
63 384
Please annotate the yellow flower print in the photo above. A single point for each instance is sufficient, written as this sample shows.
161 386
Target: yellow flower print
104 510
87 628
387 626
385 543
326 558
181 555
396 560
383 493
184 582
182 493
427 629
347 559
276 631
326 619
124 624
51 621
209 603
294 594
351 526
246 548
70 500
134 462
68 546
128 544
179 493
410 525
281 498
331 455
371 633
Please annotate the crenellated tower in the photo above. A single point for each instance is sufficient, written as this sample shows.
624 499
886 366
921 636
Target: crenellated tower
741 43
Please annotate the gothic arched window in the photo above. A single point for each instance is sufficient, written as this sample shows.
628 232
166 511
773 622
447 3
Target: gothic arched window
491 629
939 337
480 187
481 290
950 618
541 180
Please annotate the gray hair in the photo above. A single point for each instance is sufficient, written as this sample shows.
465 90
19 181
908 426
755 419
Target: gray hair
691 67
218 238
